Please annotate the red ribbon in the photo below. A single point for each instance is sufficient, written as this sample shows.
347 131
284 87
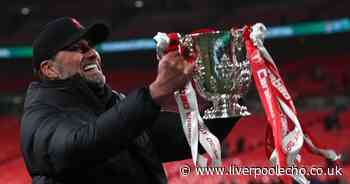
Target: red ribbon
264 87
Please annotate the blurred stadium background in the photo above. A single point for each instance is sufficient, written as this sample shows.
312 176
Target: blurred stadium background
309 40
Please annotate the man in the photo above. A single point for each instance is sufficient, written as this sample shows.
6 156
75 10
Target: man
75 129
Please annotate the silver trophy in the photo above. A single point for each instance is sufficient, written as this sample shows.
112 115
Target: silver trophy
222 73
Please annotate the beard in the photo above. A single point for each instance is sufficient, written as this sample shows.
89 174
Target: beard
95 77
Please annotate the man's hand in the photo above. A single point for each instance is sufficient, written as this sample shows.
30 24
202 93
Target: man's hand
173 74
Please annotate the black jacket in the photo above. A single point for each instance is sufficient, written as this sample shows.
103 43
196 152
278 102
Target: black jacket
73 133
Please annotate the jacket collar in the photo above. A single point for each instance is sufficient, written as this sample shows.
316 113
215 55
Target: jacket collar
70 92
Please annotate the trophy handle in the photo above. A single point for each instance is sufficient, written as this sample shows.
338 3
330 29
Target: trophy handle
189 52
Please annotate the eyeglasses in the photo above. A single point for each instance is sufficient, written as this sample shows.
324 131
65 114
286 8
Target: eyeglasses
81 46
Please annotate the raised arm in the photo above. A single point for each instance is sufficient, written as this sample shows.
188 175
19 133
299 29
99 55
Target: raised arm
67 141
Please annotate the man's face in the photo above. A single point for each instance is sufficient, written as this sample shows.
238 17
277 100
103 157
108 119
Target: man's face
79 58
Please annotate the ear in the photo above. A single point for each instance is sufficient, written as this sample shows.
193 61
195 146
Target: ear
48 70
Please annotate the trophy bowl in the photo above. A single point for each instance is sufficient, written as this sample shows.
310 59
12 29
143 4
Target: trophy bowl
222 73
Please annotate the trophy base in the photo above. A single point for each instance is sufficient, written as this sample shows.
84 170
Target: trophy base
234 110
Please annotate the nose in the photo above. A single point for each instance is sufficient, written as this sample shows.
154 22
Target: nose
90 54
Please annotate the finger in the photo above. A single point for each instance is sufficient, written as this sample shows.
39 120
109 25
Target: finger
167 57
177 62
189 69
172 58
181 63
171 54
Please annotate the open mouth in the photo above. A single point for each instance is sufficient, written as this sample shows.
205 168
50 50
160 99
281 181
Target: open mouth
90 67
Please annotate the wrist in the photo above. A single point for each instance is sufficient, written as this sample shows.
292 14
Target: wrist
157 94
